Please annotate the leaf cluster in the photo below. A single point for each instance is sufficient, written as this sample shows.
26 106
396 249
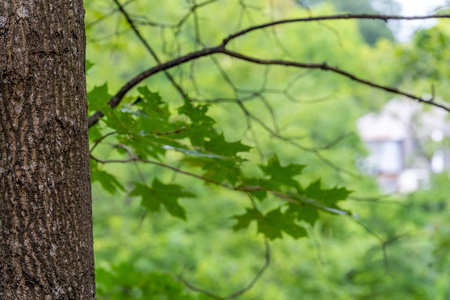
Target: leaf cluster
145 130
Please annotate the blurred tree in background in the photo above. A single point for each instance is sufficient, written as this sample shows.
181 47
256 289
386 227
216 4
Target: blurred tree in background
248 139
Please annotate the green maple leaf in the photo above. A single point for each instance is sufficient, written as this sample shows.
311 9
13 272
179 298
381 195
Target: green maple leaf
121 121
243 221
272 224
197 114
327 197
281 175
275 222
162 194
89 65
98 98
153 114
218 169
256 182
307 213
201 125
218 145
152 105
202 134
95 133
319 198
106 180
143 146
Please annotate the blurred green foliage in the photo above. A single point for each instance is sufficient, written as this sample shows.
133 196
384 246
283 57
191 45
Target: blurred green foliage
137 285
397 247
372 31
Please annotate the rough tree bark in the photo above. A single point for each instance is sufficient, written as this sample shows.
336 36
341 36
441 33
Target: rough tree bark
46 244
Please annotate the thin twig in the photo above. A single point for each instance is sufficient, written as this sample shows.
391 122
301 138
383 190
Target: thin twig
115 100
149 48
101 139
333 17
261 271
288 198
325 67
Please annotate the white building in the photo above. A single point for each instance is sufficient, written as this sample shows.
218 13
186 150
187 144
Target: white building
405 141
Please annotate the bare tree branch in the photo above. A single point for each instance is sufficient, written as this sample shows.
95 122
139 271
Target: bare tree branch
325 67
107 15
115 100
288 198
221 49
149 48
333 17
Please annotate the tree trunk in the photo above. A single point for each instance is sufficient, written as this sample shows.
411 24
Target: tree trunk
46 245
